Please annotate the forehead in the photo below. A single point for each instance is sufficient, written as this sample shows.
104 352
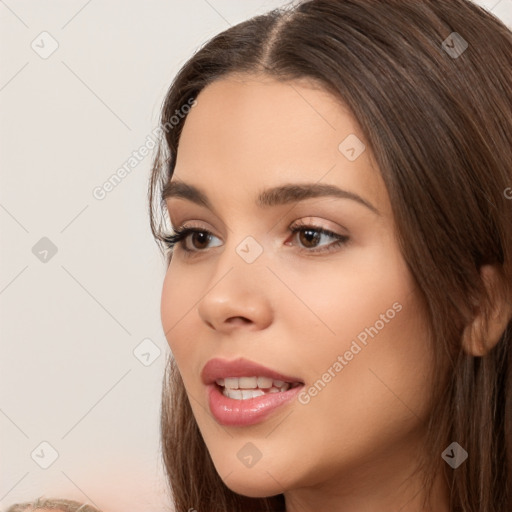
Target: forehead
250 131
260 115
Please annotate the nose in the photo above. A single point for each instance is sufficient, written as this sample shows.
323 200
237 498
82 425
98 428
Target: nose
239 297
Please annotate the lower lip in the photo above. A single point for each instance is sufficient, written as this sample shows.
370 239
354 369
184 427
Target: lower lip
241 413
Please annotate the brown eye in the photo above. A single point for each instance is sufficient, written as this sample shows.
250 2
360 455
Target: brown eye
201 237
310 236
182 234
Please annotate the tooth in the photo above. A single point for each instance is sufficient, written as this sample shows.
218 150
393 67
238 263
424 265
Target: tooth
264 382
248 382
233 393
253 383
251 393
231 382
242 394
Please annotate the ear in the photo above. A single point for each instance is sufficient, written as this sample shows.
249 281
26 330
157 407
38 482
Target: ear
491 317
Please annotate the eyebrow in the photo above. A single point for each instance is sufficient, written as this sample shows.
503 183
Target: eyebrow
280 195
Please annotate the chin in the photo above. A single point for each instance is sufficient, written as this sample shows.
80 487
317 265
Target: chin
254 485
263 479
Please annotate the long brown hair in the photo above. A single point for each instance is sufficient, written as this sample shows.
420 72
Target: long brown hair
437 115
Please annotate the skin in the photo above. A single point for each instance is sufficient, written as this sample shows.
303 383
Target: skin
355 444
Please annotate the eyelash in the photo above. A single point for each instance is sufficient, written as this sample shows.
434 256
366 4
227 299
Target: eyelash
181 233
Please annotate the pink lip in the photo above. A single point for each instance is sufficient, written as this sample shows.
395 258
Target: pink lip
240 413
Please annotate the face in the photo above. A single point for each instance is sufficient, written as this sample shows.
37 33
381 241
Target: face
337 311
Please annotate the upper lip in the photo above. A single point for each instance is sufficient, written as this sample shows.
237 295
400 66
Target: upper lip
221 368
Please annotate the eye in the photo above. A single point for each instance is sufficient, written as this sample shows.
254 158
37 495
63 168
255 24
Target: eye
181 235
312 235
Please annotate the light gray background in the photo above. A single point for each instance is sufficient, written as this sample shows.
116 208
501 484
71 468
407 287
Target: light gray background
70 325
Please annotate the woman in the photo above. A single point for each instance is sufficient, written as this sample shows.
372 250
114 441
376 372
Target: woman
337 297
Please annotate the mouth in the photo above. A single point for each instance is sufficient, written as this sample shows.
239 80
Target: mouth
246 388
242 393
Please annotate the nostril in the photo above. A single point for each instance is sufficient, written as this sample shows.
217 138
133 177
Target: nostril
238 320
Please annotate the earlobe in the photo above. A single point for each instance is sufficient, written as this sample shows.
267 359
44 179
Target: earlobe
490 319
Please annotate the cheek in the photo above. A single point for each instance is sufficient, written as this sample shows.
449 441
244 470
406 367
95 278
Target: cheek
168 315
360 296
176 306
368 386
369 352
